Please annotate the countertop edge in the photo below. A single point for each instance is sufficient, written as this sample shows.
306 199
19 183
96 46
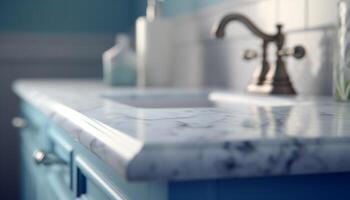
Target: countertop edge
142 162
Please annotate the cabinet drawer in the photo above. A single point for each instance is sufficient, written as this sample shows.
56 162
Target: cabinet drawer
41 182
51 176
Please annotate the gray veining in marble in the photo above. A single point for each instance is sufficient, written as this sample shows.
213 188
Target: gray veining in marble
196 143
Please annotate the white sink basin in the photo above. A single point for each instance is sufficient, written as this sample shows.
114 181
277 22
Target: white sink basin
153 99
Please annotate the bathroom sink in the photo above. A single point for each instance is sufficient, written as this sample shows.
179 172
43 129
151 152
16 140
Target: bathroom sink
196 99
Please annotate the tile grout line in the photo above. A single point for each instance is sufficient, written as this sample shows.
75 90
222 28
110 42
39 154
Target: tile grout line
306 17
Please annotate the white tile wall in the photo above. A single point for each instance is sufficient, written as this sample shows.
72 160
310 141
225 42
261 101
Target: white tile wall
322 13
200 60
292 13
313 74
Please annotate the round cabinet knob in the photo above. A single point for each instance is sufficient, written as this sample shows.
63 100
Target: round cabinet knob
299 52
43 158
39 156
19 122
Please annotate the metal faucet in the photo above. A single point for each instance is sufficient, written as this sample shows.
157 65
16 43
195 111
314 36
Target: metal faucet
267 79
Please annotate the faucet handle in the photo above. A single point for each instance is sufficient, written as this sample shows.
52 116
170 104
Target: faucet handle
297 52
250 54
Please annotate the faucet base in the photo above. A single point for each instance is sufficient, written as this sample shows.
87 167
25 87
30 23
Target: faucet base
271 89
276 80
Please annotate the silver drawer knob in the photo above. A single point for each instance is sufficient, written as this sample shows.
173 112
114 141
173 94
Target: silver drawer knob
19 122
43 158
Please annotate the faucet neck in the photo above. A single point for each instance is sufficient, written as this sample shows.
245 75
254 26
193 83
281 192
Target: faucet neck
220 29
280 37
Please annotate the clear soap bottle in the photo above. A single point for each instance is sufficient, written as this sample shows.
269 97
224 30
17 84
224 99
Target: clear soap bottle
119 63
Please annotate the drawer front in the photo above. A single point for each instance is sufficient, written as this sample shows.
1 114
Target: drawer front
34 176
40 180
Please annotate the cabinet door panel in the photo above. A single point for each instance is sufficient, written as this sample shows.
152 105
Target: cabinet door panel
28 185
29 181
44 181
58 182
94 186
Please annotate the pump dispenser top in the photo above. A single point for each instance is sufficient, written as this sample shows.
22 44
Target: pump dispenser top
153 9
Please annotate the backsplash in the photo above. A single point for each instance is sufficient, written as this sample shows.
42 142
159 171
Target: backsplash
199 60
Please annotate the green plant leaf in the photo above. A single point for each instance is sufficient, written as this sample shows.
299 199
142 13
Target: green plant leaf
343 89
347 90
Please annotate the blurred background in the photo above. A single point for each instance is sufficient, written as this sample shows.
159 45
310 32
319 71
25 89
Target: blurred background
65 39
51 39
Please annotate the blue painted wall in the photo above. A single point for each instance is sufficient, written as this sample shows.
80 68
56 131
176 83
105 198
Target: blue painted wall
107 16
96 16
139 8
173 8
58 17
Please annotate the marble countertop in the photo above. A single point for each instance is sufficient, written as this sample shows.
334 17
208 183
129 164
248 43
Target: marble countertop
309 136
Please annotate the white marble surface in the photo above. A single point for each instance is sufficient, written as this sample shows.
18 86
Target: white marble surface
241 140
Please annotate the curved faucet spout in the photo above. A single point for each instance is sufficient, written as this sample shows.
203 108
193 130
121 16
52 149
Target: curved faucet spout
220 29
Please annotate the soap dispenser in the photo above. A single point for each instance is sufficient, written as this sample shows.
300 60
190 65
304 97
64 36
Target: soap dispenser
153 47
119 63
